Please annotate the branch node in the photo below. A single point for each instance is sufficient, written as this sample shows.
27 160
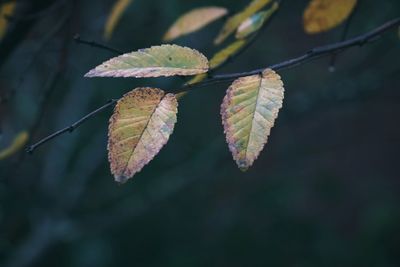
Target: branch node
30 150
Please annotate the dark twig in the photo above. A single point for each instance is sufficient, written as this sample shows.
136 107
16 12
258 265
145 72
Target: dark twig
79 40
72 127
313 53
308 56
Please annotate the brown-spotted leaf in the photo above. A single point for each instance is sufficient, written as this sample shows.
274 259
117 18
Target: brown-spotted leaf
115 15
323 15
142 122
233 22
193 21
163 60
255 22
6 9
248 112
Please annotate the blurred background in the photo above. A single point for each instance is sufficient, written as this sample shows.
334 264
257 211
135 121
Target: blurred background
324 192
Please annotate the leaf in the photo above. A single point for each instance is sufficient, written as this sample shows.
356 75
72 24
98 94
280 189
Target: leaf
193 21
233 22
323 15
248 111
115 15
142 122
164 60
6 9
17 144
223 55
255 22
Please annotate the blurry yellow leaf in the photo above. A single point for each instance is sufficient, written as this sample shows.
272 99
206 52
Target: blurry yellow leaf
6 9
255 22
114 16
248 111
193 21
17 144
223 55
164 60
217 60
233 22
198 78
323 15
142 122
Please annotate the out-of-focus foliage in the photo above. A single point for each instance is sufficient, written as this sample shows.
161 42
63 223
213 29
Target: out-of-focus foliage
255 22
224 54
6 9
142 122
17 144
233 22
193 21
164 60
249 110
114 17
323 15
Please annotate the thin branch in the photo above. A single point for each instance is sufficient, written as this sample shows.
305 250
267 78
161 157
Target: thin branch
72 127
79 40
308 56
313 53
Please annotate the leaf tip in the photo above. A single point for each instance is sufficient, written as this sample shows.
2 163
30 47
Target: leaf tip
90 74
243 168
121 179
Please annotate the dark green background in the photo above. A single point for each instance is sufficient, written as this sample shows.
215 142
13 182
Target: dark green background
324 192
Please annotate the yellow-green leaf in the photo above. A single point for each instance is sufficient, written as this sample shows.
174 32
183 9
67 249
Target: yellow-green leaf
223 55
233 22
142 122
248 112
255 22
6 9
323 15
17 144
193 21
115 15
164 60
